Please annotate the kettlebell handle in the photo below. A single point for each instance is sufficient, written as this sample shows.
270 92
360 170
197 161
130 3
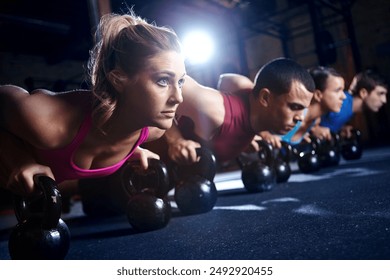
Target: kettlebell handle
43 207
266 152
286 151
356 134
207 164
155 178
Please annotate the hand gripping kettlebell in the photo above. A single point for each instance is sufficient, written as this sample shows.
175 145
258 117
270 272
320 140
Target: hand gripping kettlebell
206 167
148 207
259 175
40 232
142 194
195 192
351 148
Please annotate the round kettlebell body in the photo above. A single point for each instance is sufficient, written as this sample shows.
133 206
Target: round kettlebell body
351 152
196 195
146 212
329 151
257 177
282 171
351 148
282 163
309 162
330 157
30 241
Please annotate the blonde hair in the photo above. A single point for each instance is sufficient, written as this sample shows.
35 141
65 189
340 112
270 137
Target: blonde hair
123 42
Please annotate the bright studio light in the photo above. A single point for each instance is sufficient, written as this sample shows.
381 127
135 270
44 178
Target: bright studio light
198 47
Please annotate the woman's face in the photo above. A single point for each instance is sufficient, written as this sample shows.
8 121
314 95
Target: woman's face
375 99
333 95
152 97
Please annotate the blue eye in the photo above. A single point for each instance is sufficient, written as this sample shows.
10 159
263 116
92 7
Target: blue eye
163 82
181 83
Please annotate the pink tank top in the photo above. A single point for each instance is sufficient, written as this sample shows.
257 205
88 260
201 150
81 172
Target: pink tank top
61 163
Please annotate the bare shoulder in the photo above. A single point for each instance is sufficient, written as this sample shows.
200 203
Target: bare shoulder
12 89
44 118
231 82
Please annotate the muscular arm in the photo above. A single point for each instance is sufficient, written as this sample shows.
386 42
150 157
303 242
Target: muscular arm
17 135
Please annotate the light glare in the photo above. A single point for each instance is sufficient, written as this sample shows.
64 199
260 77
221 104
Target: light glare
198 47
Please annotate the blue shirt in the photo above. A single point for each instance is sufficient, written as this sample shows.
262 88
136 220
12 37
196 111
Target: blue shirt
335 121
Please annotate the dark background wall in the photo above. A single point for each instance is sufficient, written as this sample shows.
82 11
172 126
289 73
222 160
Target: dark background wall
45 43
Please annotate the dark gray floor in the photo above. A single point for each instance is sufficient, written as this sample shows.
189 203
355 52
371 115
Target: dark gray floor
336 213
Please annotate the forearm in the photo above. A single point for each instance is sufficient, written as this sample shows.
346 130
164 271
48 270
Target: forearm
180 150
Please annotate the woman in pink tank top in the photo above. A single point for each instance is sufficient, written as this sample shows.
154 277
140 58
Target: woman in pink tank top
136 72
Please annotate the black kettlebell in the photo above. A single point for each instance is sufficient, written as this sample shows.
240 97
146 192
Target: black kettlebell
351 148
40 233
206 167
259 175
329 151
307 156
281 162
109 196
147 206
134 180
196 195
146 212
195 191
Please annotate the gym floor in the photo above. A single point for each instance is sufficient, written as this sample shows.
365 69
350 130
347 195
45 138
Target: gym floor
337 213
